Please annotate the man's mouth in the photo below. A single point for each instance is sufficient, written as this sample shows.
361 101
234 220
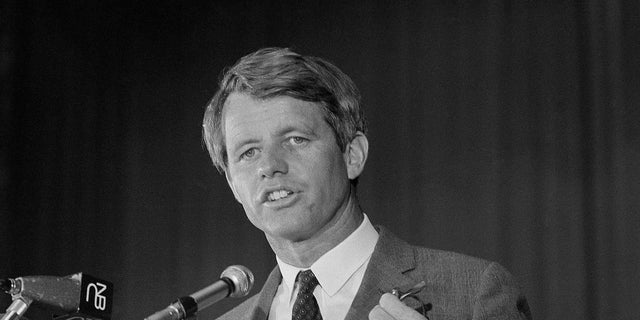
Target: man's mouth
277 195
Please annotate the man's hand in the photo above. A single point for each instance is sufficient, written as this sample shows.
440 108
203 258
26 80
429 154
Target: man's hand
391 308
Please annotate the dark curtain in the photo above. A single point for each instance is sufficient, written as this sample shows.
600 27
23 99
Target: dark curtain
508 130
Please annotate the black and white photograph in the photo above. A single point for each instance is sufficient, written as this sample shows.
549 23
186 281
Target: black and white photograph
337 160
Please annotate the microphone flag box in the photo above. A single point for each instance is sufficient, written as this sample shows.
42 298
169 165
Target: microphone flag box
95 300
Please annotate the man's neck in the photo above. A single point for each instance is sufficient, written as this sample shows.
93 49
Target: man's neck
304 253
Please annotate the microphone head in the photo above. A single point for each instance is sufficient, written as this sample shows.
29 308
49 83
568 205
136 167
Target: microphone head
242 279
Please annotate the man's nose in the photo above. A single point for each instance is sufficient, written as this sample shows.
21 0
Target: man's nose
273 162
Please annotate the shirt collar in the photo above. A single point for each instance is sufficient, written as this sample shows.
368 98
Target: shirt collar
350 255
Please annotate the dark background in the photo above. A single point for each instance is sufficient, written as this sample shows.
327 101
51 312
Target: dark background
508 130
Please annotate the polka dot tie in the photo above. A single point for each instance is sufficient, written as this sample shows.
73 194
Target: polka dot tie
306 306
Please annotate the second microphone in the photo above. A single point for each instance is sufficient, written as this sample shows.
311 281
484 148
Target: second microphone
235 281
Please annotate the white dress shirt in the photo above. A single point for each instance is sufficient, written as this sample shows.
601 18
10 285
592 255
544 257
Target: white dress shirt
339 272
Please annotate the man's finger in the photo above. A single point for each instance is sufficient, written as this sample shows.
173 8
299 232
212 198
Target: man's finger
377 313
393 306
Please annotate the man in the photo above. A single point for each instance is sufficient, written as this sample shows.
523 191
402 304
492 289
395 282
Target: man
289 135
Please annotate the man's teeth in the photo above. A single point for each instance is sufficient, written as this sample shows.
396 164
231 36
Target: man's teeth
277 195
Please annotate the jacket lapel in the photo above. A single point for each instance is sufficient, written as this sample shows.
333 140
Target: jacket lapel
391 260
262 306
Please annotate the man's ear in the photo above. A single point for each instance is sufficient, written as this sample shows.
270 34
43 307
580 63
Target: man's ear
356 155
230 183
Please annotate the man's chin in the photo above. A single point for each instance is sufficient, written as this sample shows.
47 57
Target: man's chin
290 234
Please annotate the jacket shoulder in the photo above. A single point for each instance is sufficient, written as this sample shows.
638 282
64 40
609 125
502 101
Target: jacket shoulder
471 286
448 261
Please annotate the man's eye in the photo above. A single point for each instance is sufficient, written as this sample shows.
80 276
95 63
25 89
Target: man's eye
297 140
248 154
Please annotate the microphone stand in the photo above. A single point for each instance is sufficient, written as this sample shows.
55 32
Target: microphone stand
19 305
17 308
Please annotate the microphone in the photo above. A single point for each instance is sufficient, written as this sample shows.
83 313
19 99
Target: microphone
235 281
80 295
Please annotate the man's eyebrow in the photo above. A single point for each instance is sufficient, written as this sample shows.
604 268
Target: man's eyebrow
240 143
293 128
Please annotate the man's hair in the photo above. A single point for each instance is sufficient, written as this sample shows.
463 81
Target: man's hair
272 72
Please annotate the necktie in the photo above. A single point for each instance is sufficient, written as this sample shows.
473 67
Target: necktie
306 306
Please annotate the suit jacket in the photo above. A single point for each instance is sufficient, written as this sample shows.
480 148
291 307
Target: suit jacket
458 286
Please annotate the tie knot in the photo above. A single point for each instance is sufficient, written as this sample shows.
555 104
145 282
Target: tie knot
307 281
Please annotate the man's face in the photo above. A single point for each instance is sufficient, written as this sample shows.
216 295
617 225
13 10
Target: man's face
284 165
